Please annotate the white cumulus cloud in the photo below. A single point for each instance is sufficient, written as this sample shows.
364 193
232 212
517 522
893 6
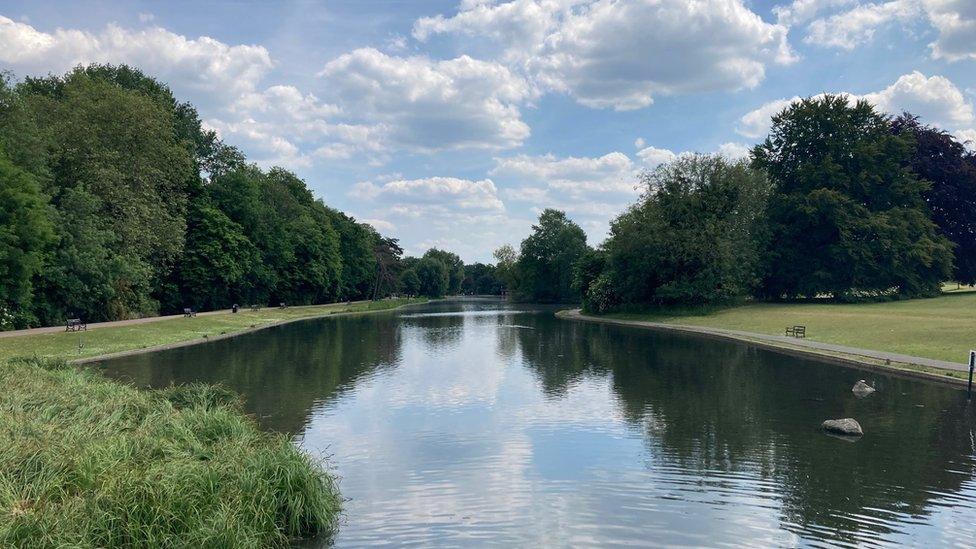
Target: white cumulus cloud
426 105
935 99
203 67
621 54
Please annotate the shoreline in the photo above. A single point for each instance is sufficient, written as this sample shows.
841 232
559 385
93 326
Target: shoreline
219 337
920 368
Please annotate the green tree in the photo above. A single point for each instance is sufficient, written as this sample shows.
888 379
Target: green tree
847 217
547 258
25 232
216 269
455 268
481 279
409 282
506 266
434 277
696 236
951 169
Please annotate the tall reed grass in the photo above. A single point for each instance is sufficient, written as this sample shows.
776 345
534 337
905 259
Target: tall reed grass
89 462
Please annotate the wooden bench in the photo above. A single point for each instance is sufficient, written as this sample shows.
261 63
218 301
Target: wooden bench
188 312
75 325
282 306
796 331
255 307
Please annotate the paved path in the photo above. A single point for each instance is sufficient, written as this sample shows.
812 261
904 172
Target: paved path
775 341
134 321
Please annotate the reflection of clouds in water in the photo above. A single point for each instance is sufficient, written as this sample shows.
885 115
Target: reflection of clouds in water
498 458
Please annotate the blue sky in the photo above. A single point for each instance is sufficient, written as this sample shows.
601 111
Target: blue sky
453 123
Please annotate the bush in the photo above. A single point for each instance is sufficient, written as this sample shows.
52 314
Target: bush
89 462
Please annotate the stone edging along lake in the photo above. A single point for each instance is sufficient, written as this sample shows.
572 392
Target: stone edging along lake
245 331
861 359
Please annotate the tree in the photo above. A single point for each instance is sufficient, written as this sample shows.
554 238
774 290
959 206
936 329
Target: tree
951 169
216 269
387 252
410 282
506 266
696 236
25 232
846 217
481 279
455 268
434 277
547 258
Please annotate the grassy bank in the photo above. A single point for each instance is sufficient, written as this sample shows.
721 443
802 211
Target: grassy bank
114 339
942 328
88 462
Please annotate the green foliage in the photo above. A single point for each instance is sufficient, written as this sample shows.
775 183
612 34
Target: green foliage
951 169
410 282
696 236
434 276
356 241
506 266
846 217
87 462
454 265
25 232
153 213
219 262
545 265
481 279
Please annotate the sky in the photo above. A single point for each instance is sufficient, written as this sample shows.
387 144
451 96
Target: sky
455 123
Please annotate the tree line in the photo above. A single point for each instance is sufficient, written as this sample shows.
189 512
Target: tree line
116 202
838 202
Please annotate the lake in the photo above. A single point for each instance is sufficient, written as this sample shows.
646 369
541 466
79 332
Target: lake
476 422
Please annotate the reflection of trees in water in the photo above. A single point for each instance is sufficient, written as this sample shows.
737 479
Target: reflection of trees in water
711 406
281 372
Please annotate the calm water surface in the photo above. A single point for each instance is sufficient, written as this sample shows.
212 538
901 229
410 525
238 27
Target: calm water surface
476 422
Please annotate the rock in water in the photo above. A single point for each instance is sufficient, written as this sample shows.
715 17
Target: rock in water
847 426
862 389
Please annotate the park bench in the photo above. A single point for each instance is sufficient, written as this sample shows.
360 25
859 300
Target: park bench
188 312
255 307
282 306
74 325
796 331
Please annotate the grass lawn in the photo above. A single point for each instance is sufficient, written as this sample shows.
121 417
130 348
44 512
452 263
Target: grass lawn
96 342
942 328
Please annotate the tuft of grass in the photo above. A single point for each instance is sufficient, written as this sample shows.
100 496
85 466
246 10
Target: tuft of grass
89 462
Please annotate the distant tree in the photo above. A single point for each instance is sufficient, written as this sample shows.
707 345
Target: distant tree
481 279
695 236
455 268
506 266
409 282
951 169
545 265
387 252
216 269
846 217
356 241
434 277
25 233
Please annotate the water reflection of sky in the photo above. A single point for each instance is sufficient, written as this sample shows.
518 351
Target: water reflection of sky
509 427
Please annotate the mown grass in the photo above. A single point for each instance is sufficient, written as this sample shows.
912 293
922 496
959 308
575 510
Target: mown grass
88 462
106 340
942 328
